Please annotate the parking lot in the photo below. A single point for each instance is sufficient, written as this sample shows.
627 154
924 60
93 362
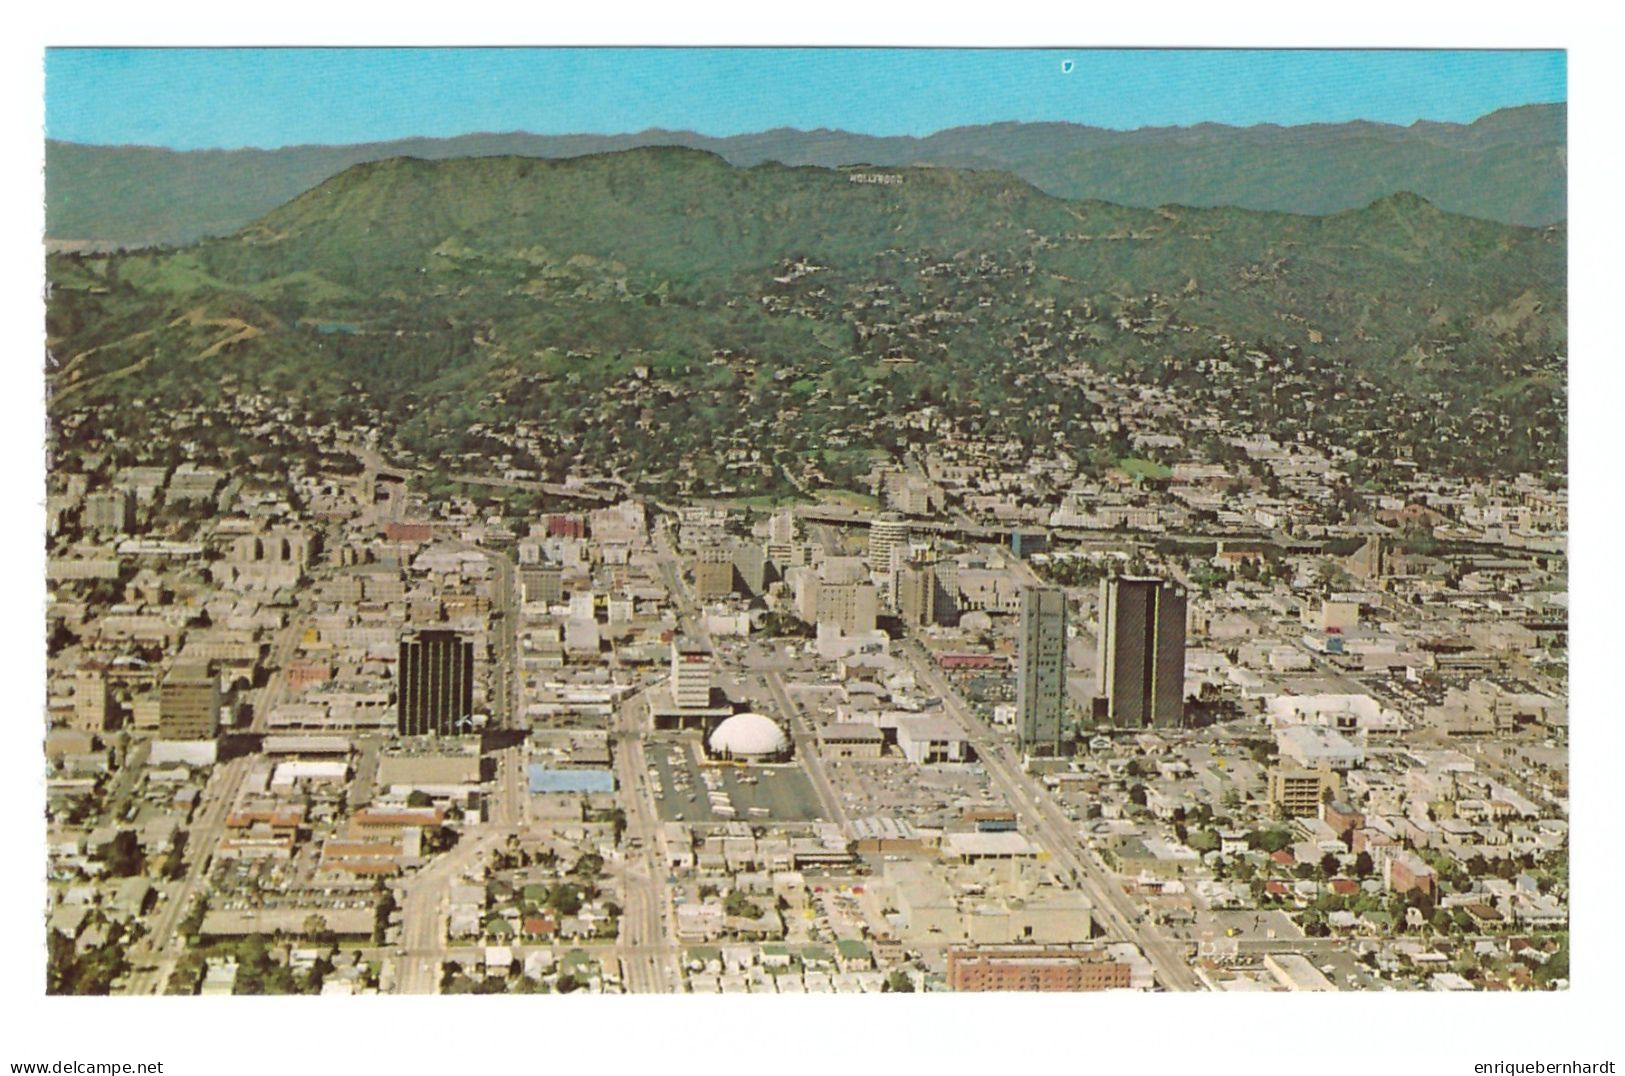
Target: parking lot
926 796
778 793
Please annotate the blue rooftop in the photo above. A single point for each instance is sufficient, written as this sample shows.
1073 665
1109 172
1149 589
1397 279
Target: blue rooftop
546 779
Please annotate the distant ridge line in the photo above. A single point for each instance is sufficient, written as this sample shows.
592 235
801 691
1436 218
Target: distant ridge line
1509 166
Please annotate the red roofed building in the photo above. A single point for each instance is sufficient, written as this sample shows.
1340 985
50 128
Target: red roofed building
303 674
1343 819
278 818
395 531
566 526
1369 840
1036 968
1408 872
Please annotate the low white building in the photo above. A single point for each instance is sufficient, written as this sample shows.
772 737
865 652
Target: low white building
928 740
1311 746
1343 713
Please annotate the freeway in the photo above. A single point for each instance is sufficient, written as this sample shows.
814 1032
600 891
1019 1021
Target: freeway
1056 833
962 526
374 464
553 489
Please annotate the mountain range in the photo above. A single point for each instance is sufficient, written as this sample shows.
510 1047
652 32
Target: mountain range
1509 166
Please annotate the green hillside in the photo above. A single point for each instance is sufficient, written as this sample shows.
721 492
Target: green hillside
642 305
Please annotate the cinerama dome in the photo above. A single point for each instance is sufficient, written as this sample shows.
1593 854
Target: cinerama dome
748 736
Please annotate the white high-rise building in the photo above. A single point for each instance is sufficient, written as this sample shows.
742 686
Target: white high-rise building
690 674
886 533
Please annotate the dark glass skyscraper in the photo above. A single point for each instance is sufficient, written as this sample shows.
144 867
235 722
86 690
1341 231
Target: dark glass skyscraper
436 688
1141 665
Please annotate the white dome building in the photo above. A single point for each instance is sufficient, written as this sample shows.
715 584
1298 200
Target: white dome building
748 736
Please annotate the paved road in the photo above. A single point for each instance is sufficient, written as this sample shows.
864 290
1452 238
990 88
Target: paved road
1057 833
209 823
508 705
372 463
424 897
807 749
1260 946
161 947
552 488
505 803
1112 906
648 958
424 901
670 573
363 784
506 690
123 787
283 647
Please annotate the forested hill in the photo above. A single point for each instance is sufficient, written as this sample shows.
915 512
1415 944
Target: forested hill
1508 166
787 306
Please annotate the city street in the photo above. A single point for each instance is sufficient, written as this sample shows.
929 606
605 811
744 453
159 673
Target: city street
161 947
807 753
648 956
423 899
1112 906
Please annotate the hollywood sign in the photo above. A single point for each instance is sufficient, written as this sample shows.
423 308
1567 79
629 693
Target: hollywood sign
887 178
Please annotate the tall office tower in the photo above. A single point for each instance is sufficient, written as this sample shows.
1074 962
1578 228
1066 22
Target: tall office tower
916 587
1041 674
750 567
1142 652
435 693
690 674
189 703
851 607
947 599
885 534
713 573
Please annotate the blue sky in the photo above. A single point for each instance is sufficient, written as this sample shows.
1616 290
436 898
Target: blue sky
228 98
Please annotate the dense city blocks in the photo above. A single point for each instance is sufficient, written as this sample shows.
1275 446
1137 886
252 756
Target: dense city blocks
463 749
649 571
